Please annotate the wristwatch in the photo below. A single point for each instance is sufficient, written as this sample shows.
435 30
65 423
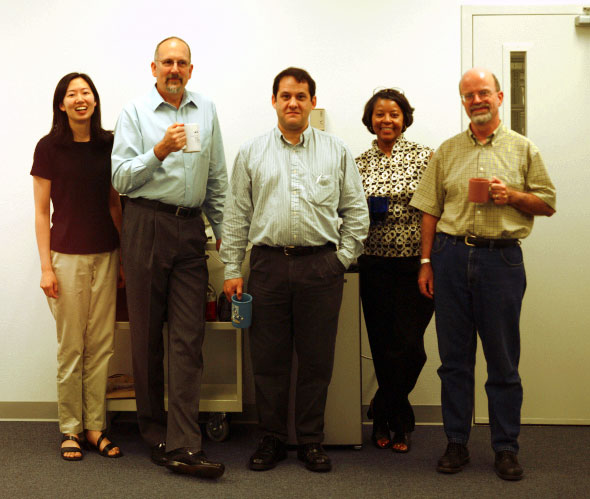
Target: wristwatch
424 260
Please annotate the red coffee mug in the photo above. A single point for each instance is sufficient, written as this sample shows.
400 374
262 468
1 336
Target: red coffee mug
479 190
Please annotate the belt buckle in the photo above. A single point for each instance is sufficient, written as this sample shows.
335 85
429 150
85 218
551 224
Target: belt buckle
182 211
467 242
286 249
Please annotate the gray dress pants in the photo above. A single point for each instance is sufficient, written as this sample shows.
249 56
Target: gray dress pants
166 278
296 302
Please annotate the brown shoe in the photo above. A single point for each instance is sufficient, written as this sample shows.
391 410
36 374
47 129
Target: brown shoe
506 465
453 460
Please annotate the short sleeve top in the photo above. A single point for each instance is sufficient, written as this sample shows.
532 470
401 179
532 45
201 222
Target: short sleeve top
395 177
80 190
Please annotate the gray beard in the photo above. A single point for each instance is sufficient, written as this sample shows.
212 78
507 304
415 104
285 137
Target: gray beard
174 90
481 119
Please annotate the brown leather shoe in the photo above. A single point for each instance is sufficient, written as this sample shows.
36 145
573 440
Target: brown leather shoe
193 463
506 465
314 456
454 458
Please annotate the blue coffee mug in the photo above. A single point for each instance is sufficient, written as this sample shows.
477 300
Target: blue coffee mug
241 311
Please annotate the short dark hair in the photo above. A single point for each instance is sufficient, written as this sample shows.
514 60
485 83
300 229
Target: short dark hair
389 94
300 76
172 38
60 128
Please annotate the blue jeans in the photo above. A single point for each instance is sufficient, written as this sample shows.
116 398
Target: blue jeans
479 290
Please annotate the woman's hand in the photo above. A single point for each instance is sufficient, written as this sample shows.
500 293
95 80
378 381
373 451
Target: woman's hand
49 283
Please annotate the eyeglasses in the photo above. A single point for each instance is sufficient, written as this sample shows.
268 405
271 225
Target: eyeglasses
482 94
386 90
168 63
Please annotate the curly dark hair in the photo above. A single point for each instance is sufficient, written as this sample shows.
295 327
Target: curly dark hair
389 94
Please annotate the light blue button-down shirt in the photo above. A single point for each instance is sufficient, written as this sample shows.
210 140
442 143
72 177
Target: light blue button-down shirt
182 179
283 194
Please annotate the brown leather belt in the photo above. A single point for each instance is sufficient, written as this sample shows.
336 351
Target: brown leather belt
482 242
179 211
299 250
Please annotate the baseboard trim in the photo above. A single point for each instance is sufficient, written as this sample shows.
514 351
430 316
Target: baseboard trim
47 411
28 411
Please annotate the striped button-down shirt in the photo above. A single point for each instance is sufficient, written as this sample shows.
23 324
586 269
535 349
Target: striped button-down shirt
182 179
281 194
512 158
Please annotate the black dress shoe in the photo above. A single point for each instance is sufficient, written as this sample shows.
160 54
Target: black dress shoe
158 454
193 463
270 451
506 465
453 460
314 457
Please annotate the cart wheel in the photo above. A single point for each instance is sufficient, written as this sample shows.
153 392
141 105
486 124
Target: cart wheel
217 427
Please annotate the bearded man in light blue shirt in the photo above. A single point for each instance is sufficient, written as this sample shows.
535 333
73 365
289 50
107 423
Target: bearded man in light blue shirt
297 196
163 248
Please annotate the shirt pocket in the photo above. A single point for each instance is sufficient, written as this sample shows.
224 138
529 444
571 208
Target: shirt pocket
323 190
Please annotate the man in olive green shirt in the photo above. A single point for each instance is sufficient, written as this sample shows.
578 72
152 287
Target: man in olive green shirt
477 271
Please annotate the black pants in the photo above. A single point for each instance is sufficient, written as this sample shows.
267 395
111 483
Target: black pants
166 273
396 315
296 301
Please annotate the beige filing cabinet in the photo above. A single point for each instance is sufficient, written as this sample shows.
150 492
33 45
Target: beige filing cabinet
343 417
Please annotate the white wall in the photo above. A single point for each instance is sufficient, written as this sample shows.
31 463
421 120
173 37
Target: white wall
238 47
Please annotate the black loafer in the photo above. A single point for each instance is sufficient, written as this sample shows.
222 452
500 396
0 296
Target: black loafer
193 463
158 454
506 465
270 451
314 457
453 460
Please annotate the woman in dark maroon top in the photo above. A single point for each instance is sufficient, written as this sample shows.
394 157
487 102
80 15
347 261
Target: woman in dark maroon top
79 255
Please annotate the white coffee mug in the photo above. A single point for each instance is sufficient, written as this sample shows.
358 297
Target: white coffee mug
193 137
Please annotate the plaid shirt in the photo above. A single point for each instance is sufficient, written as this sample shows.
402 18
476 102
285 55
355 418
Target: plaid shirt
509 156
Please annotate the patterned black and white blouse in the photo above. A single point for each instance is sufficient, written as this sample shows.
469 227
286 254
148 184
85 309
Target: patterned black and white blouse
396 177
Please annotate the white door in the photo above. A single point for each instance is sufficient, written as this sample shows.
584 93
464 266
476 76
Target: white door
555 321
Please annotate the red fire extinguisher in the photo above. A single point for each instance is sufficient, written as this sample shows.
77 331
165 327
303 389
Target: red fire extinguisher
211 309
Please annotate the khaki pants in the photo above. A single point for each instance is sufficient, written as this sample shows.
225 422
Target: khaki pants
85 318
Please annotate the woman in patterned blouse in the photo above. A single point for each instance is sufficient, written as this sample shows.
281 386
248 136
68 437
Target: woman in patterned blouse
396 314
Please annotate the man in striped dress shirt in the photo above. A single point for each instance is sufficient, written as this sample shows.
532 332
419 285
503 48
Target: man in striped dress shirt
297 196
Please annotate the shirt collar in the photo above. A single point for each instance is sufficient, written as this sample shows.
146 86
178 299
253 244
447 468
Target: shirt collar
401 140
303 140
491 138
156 100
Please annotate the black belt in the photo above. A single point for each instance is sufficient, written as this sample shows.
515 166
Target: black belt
179 211
482 242
299 250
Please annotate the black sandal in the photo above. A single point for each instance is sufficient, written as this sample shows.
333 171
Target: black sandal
65 450
105 450
401 438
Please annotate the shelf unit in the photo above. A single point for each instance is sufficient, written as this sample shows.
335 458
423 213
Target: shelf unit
223 396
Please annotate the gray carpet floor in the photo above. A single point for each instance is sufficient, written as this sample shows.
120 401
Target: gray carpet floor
556 462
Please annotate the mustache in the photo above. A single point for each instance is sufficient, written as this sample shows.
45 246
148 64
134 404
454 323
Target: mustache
479 106
172 77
